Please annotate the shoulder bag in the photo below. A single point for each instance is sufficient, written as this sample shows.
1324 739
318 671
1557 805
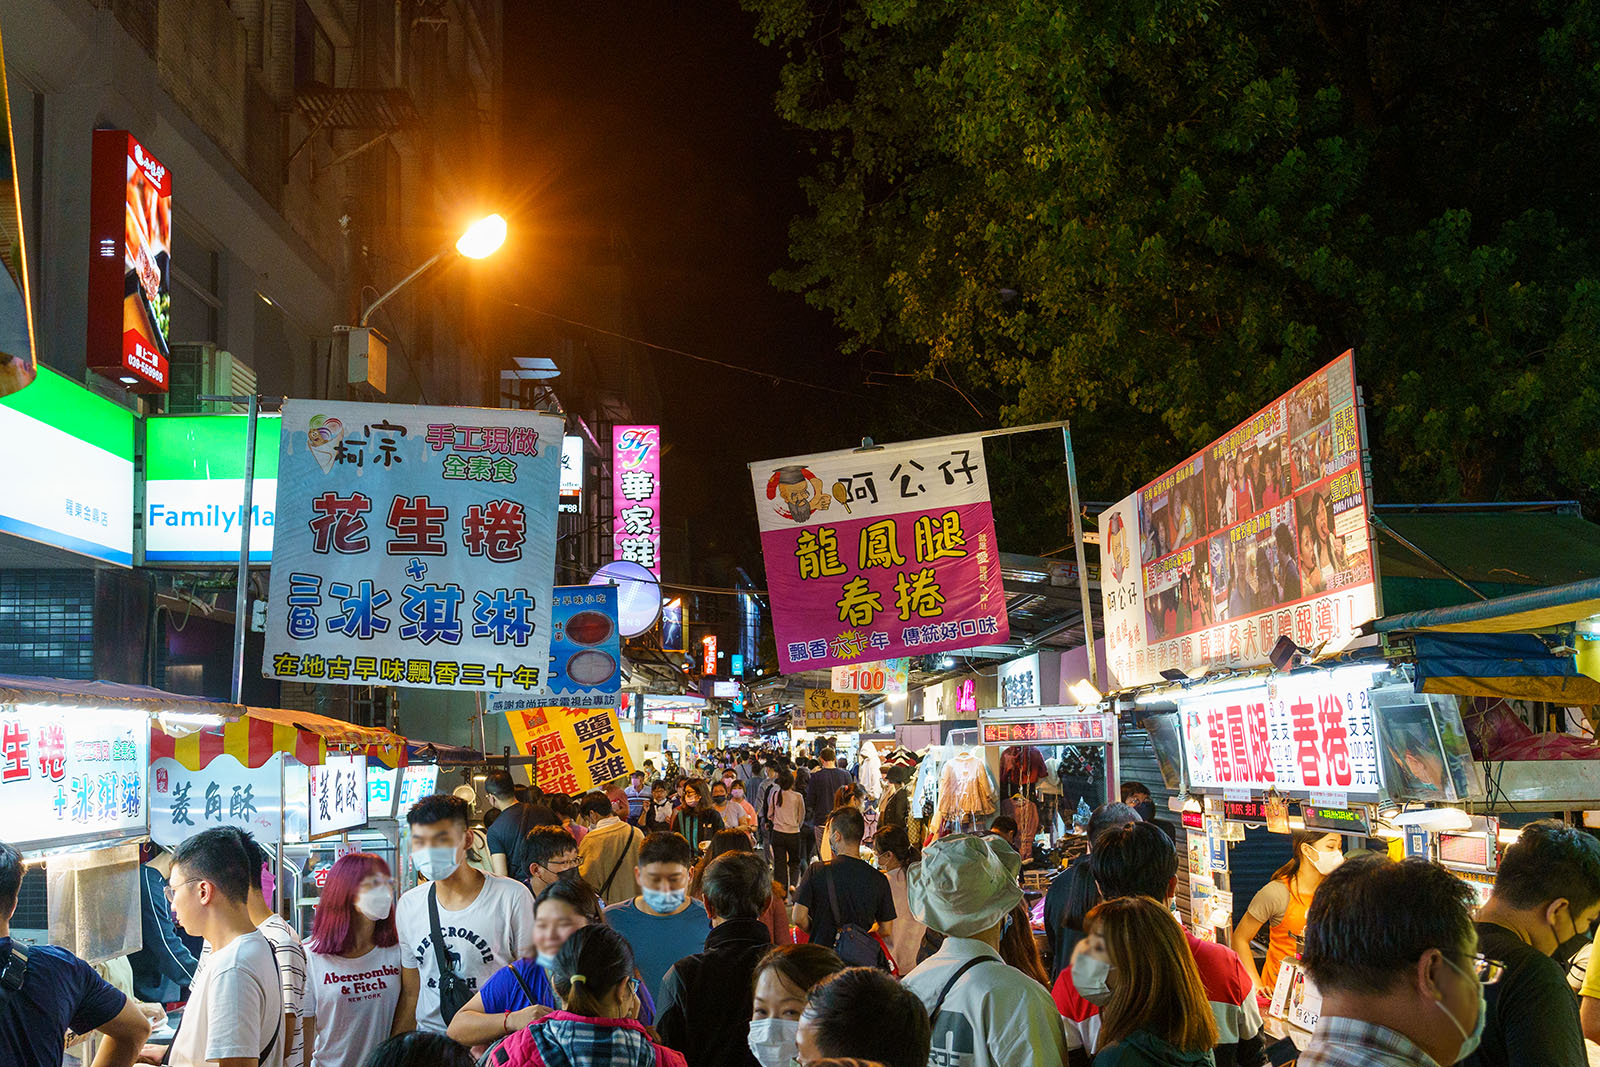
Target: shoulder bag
618 865
454 992
854 944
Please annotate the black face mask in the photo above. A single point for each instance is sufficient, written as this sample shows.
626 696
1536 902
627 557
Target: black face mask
1569 948
569 875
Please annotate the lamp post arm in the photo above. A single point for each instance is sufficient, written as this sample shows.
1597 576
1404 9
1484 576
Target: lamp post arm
401 284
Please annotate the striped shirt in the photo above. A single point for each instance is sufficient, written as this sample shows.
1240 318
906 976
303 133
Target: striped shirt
1339 1042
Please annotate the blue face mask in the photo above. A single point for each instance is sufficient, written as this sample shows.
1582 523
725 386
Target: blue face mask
545 960
664 900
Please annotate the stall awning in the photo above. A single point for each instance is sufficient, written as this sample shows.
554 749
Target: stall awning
1530 612
1514 666
264 731
27 689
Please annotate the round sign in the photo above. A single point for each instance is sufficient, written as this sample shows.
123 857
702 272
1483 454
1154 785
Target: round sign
638 595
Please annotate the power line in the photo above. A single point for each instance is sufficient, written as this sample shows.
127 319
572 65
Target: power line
680 352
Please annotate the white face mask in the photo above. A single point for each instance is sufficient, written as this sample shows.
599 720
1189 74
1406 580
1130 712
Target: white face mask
772 1041
1326 862
436 864
375 903
1089 974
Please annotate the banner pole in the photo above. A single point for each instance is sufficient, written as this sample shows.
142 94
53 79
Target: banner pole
241 606
1077 546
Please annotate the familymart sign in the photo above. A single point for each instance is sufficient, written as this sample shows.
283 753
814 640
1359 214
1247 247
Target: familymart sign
194 488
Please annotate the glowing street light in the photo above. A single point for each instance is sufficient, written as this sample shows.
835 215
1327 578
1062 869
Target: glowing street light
483 238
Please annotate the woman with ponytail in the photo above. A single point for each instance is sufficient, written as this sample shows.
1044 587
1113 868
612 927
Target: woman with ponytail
598 1026
895 855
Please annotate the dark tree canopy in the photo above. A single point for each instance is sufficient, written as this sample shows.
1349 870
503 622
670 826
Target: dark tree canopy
1152 217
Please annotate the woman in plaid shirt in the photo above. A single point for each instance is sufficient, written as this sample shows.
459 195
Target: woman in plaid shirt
599 1028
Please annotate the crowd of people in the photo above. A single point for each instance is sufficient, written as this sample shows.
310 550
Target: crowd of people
680 919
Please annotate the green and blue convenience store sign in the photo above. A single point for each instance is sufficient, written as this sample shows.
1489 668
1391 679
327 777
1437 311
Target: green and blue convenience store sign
67 460
194 488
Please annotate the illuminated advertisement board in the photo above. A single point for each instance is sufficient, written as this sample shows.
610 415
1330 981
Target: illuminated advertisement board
636 495
130 263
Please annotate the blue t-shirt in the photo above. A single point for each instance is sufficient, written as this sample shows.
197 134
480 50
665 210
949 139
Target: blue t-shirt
501 993
60 993
659 941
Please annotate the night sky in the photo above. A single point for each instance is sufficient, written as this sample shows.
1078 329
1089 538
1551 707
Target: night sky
655 121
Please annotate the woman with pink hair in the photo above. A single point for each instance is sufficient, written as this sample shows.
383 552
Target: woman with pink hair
353 986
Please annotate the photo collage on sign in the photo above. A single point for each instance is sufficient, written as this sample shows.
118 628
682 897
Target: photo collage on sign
1268 516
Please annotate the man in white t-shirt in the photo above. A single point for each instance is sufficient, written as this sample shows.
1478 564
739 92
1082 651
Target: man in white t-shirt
286 950
486 921
235 1013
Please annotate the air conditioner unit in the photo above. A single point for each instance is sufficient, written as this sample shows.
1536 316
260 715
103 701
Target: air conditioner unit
202 369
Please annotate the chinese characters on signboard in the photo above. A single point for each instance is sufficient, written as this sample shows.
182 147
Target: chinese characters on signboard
1264 534
880 554
415 546
383 790
130 267
418 780
636 495
585 653
338 795
1298 734
72 774
577 749
826 710
1049 731
222 793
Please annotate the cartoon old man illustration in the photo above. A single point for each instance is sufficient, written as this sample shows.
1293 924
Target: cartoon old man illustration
800 490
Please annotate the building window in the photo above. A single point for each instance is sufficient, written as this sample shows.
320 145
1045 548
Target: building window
313 50
197 279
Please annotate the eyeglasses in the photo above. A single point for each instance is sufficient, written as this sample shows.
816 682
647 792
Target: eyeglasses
1484 969
172 890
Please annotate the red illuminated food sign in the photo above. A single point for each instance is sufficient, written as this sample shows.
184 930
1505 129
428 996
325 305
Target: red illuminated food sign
130 263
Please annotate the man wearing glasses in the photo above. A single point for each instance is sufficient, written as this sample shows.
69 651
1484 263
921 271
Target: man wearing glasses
1393 951
235 1013
548 854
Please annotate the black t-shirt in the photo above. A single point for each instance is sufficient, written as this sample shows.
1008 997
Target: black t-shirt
513 825
864 897
60 993
1533 1013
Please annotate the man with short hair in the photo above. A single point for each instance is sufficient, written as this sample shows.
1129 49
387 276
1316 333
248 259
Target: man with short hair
863 893
662 923
1391 948
862 1015
609 852
1543 909
548 854
1005 828
1137 859
638 794
235 1014
163 966
696 1013
287 952
517 817
985 1013
1055 898
486 921
59 992
825 782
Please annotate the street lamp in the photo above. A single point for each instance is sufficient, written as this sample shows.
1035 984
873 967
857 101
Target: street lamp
368 350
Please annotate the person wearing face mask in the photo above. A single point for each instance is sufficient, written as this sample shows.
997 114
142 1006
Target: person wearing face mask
662 924
988 1014
1139 860
598 1025
547 855
659 812
483 922
732 814
698 1016
523 992
846 890
1281 904
353 987
1393 951
696 821
1543 909
1134 962
783 979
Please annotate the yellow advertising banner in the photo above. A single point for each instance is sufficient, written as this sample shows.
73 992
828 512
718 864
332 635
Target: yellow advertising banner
826 710
578 748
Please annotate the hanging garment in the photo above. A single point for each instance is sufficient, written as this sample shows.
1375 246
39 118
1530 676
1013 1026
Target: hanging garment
1027 816
1021 765
870 774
